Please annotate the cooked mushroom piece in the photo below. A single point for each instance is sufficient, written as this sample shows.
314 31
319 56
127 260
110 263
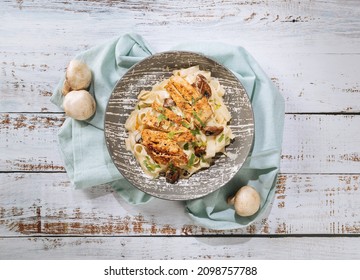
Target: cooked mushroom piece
200 151
168 102
202 86
213 130
172 175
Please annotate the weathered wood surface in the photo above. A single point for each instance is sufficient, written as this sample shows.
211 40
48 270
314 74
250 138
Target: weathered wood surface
312 143
310 50
200 248
46 204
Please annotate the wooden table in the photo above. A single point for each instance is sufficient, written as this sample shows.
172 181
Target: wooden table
310 50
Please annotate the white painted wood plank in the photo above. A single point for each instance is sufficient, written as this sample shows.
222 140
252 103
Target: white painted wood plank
180 248
321 144
29 142
311 143
308 82
46 204
313 60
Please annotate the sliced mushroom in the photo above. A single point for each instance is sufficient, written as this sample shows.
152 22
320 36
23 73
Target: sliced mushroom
172 175
213 130
202 86
200 151
168 102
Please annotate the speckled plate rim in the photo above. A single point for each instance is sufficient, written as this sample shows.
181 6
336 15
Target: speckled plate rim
182 197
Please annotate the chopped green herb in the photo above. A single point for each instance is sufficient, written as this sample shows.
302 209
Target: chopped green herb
138 107
217 106
201 144
172 167
198 119
191 160
171 134
150 166
161 117
185 124
186 146
195 131
227 139
221 137
193 100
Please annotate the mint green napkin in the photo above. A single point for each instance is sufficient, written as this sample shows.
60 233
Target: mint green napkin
88 163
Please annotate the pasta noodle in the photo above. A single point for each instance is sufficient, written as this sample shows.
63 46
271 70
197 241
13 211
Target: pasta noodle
178 126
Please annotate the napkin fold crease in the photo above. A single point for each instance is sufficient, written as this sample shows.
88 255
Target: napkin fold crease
88 163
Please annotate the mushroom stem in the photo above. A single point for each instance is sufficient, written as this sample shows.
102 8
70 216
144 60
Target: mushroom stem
246 201
231 200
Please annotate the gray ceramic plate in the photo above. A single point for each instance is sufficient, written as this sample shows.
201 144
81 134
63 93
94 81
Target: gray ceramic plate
144 75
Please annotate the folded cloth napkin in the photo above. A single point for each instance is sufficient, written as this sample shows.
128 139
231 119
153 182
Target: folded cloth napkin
88 163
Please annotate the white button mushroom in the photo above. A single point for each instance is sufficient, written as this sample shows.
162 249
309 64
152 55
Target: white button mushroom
246 201
79 105
78 76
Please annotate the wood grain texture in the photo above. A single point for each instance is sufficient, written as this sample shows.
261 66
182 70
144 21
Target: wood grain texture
314 45
201 248
47 205
311 143
29 142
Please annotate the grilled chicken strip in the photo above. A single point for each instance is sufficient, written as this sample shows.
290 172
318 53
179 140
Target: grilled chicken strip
186 89
162 149
172 130
149 135
170 115
179 100
189 100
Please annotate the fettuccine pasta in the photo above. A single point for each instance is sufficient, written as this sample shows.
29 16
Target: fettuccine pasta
179 126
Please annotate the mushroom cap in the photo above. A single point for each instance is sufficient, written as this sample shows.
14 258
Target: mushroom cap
78 75
79 105
247 201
